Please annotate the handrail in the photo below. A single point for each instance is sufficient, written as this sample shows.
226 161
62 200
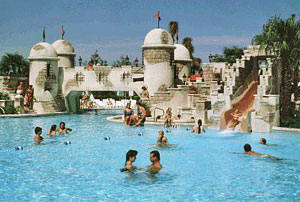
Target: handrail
3 111
155 110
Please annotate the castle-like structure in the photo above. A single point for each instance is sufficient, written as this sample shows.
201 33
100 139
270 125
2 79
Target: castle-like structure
250 85
58 83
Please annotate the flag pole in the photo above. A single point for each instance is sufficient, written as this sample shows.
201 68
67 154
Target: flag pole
44 35
62 32
158 19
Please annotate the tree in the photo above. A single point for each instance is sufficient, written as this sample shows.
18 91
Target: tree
14 64
173 29
282 38
124 60
187 42
96 59
229 55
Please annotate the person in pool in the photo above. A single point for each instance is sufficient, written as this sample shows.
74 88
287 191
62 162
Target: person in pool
161 138
198 128
248 150
52 130
38 138
262 141
63 129
130 158
155 160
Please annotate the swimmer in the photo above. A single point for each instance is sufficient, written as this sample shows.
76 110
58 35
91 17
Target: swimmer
63 129
247 148
262 141
199 127
155 159
130 158
161 138
52 130
38 138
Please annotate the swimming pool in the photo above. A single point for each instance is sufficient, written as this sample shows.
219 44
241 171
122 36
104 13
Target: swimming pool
199 168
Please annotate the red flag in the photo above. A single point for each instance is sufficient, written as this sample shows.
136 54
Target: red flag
62 31
157 16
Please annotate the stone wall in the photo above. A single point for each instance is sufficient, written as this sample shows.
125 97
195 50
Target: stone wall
154 56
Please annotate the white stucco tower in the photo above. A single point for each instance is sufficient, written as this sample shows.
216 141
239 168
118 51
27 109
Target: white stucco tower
158 56
43 71
66 56
183 61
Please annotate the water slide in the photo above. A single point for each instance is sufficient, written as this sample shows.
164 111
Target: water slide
240 108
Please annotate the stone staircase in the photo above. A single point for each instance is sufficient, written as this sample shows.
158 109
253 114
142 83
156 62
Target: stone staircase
160 97
50 106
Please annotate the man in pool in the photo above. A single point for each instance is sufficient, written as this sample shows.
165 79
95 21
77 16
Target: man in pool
262 141
248 150
38 138
155 159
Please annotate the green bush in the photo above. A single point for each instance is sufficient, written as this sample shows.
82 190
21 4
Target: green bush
10 109
292 122
4 96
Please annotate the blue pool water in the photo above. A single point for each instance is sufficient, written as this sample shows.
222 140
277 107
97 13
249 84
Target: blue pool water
199 168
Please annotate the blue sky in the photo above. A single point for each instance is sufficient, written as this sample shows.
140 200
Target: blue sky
118 27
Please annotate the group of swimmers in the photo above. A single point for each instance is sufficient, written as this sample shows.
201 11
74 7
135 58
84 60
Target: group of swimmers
263 141
131 119
131 157
52 132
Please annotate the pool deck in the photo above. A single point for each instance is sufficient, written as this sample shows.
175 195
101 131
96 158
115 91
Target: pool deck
32 115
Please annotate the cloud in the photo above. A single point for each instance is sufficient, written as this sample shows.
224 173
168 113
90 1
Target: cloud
222 40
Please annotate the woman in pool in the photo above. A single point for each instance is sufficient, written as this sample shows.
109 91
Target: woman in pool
141 116
161 138
128 115
130 158
63 129
52 130
198 128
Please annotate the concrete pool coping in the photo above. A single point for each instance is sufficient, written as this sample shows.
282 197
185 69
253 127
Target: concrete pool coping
118 119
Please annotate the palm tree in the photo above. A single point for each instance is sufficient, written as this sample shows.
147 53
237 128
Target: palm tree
173 29
15 64
187 42
282 37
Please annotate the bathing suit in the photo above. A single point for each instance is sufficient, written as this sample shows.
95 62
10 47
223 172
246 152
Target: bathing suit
128 113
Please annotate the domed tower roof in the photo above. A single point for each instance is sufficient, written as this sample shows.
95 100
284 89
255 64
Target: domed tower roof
158 38
181 53
63 47
42 50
